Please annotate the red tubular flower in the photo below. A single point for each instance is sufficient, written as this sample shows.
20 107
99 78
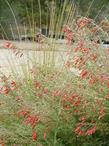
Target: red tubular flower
74 96
82 22
38 85
23 113
80 133
84 74
45 135
91 131
77 102
83 119
69 34
8 45
76 111
78 130
5 90
69 38
34 136
32 120
67 107
65 96
13 83
67 29
95 30
85 50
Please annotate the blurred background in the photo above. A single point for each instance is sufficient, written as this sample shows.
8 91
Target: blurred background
21 19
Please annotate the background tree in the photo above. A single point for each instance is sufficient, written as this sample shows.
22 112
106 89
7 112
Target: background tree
38 13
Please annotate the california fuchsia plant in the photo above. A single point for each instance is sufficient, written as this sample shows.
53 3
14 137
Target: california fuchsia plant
53 102
66 107
86 54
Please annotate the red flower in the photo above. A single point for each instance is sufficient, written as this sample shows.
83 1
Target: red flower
83 119
95 29
23 113
69 37
34 136
32 120
77 102
8 45
81 133
67 29
13 83
78 131
69 34
76 111
91 131
85 50
45 135
67 107
82 22
38 85
84 74
5 90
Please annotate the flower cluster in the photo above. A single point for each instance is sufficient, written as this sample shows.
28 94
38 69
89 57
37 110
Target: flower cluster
58 106
11 46
86 56
7 85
